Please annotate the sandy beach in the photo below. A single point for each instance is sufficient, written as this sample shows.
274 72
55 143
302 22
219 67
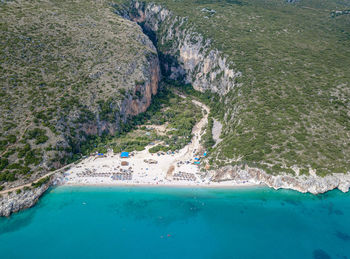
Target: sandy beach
108 171
143 168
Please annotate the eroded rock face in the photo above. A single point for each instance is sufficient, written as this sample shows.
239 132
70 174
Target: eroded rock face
131 106
311 183
74 83
14 202
185 55
136 101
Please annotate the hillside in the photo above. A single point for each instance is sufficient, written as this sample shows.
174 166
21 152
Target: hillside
70 73
281 69
275 74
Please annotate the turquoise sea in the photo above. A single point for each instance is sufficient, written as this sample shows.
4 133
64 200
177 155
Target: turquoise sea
106 222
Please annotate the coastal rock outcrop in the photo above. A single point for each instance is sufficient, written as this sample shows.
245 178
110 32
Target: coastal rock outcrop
13 201
187 56
306 183
115 87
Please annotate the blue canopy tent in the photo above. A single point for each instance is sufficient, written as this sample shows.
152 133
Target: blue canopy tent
197 163
124 155
205 154
196 158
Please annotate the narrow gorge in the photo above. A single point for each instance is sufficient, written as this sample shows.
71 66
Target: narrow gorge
188 58
167 48
185 55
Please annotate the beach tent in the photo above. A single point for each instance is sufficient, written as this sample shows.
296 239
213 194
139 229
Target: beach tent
124 155
196 158
100 154
197 163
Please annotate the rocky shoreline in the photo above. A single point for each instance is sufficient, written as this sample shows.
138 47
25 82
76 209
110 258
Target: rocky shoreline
13 202
302 183
206 69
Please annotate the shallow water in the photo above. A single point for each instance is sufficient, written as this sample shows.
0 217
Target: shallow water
95 222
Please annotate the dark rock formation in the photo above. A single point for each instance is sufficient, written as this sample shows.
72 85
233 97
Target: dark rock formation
185 55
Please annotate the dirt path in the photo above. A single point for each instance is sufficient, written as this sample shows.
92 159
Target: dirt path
195 142
37 180
186 153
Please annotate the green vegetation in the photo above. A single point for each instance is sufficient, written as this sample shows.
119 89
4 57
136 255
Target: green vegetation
7 176
38 135
41 182
290 106
3 163
176 115
158 148
207 138
33 157
212 100
107 113
11 139
65 68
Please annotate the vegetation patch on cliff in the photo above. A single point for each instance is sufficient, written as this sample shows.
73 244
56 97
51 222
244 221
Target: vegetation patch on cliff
166 125
65 69
289 109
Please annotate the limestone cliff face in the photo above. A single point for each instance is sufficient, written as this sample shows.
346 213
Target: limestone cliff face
73 84
310 183
185 55
14 202
136 101
131 106
137 98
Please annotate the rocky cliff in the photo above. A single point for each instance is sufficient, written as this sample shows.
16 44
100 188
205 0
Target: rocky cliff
185 55
132 106
70 73
13 201
302 183
97 70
